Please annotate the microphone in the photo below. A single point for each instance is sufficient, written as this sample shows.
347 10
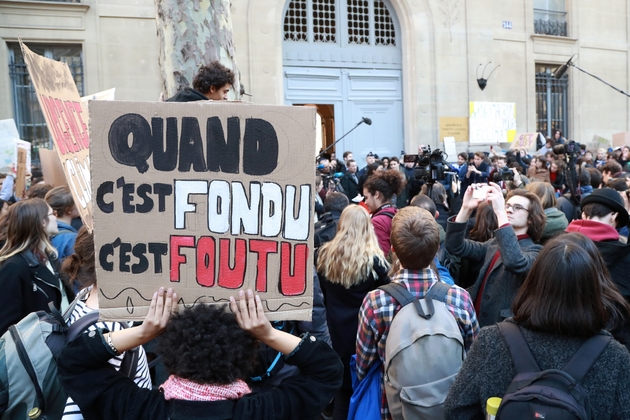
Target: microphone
563 69
366 120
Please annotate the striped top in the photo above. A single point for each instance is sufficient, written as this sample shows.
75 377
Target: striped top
142 379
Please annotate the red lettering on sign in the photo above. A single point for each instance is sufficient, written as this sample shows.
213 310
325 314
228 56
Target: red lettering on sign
293 284
232 277
176 258
263 249
205 261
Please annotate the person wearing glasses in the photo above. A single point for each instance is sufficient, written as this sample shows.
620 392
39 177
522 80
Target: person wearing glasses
508 256
28 261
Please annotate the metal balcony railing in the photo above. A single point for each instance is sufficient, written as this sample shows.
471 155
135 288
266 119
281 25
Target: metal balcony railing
550 22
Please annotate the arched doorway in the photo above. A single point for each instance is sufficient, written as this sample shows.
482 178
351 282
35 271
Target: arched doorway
346 54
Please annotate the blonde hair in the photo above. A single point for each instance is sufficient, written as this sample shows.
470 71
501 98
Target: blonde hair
348 259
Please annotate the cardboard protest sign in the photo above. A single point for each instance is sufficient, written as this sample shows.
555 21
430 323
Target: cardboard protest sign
621 139
67 121
492 122
525 141
205 197
106 95
51 168
9 144
456 127
598 142
450 149
20 178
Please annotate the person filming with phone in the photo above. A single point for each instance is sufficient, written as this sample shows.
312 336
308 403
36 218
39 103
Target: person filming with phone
508 256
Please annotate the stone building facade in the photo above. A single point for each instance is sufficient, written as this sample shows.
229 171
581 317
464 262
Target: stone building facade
402 63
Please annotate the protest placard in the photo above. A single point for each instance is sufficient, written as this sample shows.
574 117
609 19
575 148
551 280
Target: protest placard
492 122
456 127
51 168
20 178
9 144
450 149
621 139
207 198
106 95
525 141
67 121
598 142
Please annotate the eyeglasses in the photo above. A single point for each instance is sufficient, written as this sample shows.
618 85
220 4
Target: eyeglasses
54 213
515 207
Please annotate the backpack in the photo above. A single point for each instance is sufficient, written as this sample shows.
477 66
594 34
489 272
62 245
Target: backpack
423 353
553 394
28 372
325 230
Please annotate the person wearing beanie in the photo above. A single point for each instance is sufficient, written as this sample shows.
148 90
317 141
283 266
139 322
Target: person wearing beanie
602 213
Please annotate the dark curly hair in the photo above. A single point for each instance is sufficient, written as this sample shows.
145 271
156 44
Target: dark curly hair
214 74
79 267
205 345
387 183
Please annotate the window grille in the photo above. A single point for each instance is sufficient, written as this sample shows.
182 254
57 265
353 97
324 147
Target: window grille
550 17
551 102
26 110
295 21
358 22
367 22
324 23
383 25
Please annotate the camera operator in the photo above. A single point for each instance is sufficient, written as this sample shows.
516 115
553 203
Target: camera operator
478 172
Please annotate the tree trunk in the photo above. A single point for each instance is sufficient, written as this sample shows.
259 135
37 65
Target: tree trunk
192 33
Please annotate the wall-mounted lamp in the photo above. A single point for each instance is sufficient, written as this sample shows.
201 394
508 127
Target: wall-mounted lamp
480 80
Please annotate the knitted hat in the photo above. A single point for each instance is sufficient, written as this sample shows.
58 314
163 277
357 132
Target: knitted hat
611 199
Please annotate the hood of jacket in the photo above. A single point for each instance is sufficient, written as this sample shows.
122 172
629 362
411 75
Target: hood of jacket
187 95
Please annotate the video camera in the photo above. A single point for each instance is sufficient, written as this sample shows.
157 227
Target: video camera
334 179
429 165
570 149
503 174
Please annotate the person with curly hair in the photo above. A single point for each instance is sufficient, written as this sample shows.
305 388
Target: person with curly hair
209 352
79 267
213 81
378 190
349 266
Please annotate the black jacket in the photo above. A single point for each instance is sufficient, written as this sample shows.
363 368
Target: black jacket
342 312
616 255
27 286
101 392
187 95
351 188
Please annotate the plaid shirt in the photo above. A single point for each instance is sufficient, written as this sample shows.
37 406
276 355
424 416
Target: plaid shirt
378 310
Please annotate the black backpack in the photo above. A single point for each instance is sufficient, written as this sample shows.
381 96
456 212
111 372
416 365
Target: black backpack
553 394
325 230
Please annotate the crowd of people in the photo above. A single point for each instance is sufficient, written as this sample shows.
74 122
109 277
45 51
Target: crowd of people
526 239
423 281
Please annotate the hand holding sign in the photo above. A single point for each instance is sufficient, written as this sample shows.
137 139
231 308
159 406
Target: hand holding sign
251 318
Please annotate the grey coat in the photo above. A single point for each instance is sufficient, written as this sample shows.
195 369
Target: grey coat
488 371
507 274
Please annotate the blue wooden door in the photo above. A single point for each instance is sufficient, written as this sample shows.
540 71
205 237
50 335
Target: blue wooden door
346 53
